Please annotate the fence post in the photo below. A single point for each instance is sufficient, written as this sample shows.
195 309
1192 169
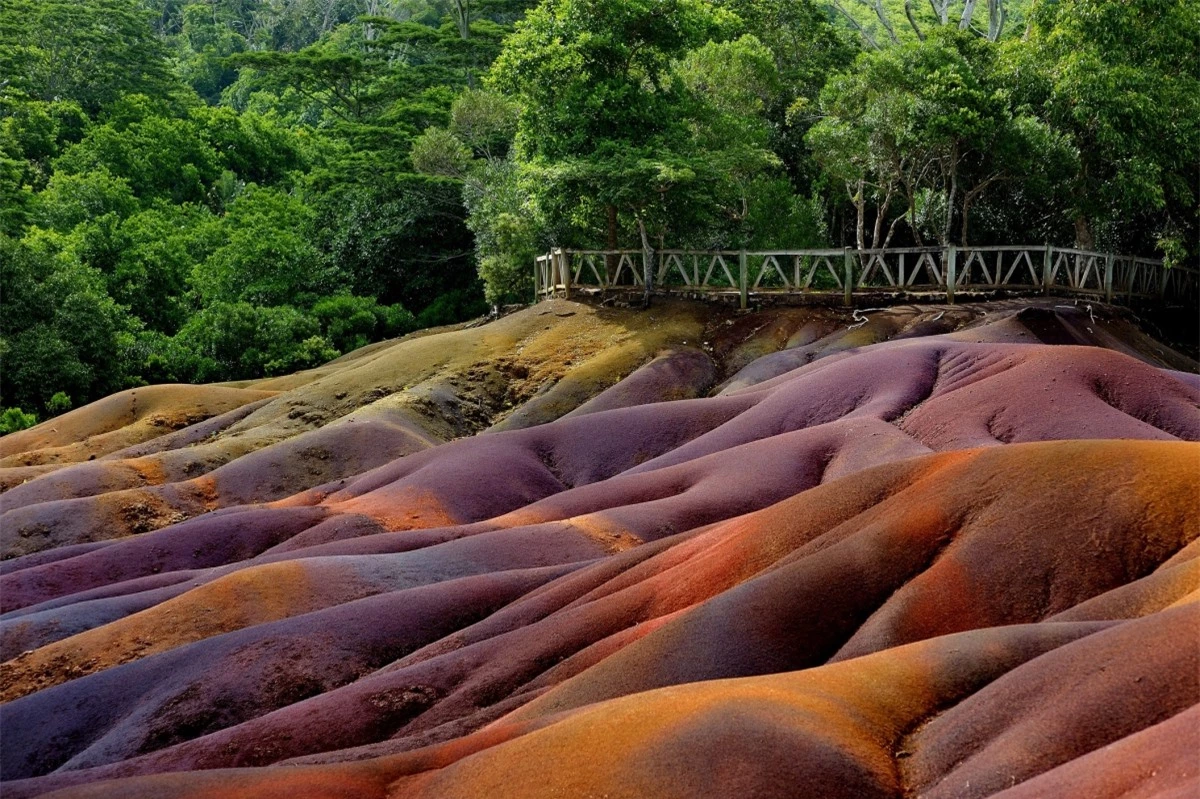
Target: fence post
1108 279
848 276
1046 271
743 285
951 272
564 267
537 280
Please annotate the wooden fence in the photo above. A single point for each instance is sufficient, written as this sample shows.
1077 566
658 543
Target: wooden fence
847 272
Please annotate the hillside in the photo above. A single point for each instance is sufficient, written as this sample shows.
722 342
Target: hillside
600 552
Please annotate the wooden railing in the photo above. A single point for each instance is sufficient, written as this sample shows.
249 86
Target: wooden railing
925 270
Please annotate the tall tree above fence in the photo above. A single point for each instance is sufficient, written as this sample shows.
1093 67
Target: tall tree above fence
807 47
613 117
920 133
1123 80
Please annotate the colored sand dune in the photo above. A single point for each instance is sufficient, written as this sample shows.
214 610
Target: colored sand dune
945 552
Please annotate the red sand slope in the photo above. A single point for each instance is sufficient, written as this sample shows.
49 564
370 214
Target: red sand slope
939 554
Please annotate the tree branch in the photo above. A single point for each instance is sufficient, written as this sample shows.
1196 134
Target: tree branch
996 19
842 10
942 11
892 228
912 20
968 11
880 214
883 20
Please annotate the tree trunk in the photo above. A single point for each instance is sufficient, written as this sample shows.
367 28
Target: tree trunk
611 261
647 262
1084 239
912 220
883 20
969 199
860 205
912 20
951 198
855 24
996 18
880 214
942 9
968 12
966 212
462 14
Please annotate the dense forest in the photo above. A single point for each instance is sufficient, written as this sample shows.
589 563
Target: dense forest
209 190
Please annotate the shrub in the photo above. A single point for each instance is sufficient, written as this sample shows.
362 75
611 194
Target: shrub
454 306
350 322
14 419
233 341
58 404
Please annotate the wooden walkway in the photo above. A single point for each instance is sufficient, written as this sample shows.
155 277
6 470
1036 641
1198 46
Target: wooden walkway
868 274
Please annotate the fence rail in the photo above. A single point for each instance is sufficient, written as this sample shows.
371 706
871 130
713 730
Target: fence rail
937 270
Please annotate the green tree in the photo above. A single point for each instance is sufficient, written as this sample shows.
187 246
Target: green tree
439 152
36 132
473 151
485 122
349 322
731 84
204 45
1123 81
229 341
14 419
158 250
32 133
268 257
608 124
254 147
371 88
15 196
158 180
59 328
883 23
920 132
329 74
58 404
75 198
183 162
90 52
807 47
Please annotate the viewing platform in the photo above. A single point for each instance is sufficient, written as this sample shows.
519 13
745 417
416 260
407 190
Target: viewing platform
849 276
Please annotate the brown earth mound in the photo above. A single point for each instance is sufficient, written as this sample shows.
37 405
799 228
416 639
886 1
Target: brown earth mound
580 552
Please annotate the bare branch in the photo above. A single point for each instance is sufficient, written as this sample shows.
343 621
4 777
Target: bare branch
912 20
880 213
996 18
883 20
941 9
865 34
892 228
968 12
462 16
